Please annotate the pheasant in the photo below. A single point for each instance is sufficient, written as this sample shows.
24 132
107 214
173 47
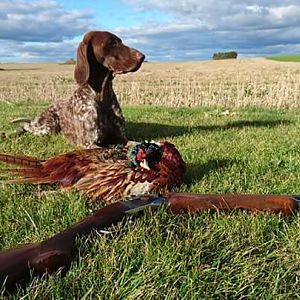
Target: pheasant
106 174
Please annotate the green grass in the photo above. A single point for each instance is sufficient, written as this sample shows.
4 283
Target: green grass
161 256
286 57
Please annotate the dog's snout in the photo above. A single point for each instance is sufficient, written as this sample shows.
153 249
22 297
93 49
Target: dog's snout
140 56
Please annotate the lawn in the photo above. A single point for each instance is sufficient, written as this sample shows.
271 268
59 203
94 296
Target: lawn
161 256
286 57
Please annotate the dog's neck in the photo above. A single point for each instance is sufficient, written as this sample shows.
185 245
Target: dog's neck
100 82
103 92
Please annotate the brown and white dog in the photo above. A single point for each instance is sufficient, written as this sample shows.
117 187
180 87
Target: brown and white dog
92 115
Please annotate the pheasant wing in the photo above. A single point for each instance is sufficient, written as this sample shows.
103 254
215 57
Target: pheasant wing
105 180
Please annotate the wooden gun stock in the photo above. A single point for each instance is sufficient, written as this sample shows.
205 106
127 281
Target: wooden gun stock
57 252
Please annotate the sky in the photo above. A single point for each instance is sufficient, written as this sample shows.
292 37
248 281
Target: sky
164 30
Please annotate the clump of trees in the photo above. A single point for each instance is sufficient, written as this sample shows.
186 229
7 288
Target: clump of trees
225 55
70 61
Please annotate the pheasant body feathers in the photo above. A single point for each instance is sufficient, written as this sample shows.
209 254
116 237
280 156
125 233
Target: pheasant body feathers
104 173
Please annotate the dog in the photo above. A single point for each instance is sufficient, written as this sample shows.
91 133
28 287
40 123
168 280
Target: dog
92 116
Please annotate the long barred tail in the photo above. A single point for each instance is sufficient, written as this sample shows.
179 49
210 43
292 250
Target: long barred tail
29 170
24 161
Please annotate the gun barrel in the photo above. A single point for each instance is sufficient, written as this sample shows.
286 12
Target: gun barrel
189 202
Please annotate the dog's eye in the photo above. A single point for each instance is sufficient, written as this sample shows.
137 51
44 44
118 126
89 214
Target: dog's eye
113 43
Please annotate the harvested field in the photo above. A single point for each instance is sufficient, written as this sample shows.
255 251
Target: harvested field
228 83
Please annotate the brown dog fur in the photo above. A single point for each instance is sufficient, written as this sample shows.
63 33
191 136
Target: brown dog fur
92 115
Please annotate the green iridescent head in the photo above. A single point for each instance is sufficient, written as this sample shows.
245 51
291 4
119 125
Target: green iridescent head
145 154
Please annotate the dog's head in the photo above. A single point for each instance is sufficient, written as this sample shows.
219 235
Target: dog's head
101 52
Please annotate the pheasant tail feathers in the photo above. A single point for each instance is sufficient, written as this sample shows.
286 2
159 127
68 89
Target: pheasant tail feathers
29 168
20 160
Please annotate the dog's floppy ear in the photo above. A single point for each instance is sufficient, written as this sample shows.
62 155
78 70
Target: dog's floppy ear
82 68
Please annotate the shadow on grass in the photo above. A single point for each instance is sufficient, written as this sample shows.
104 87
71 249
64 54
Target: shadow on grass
195 173
143 130
257 123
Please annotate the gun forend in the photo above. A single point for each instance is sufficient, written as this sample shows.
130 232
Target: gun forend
189 202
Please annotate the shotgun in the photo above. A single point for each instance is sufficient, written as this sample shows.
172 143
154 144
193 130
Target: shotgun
56 253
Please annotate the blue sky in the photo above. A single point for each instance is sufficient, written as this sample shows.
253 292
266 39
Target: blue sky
49 30
113 14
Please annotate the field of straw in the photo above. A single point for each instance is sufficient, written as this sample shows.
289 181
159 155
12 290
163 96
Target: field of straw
228 83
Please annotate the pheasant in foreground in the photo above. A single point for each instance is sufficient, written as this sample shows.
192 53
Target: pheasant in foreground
106 174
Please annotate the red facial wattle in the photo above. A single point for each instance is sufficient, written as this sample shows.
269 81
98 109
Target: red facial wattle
141 155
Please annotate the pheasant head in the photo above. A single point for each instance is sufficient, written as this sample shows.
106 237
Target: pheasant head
161 164
146 154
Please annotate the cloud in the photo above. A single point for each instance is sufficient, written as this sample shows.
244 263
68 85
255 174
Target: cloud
38 51
199 28
41 21
40 30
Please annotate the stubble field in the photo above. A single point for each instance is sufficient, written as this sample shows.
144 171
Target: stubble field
237 126
228 83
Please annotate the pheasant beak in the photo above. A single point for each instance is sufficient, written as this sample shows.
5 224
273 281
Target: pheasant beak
144 164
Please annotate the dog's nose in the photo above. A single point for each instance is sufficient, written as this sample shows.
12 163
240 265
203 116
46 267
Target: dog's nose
140 56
